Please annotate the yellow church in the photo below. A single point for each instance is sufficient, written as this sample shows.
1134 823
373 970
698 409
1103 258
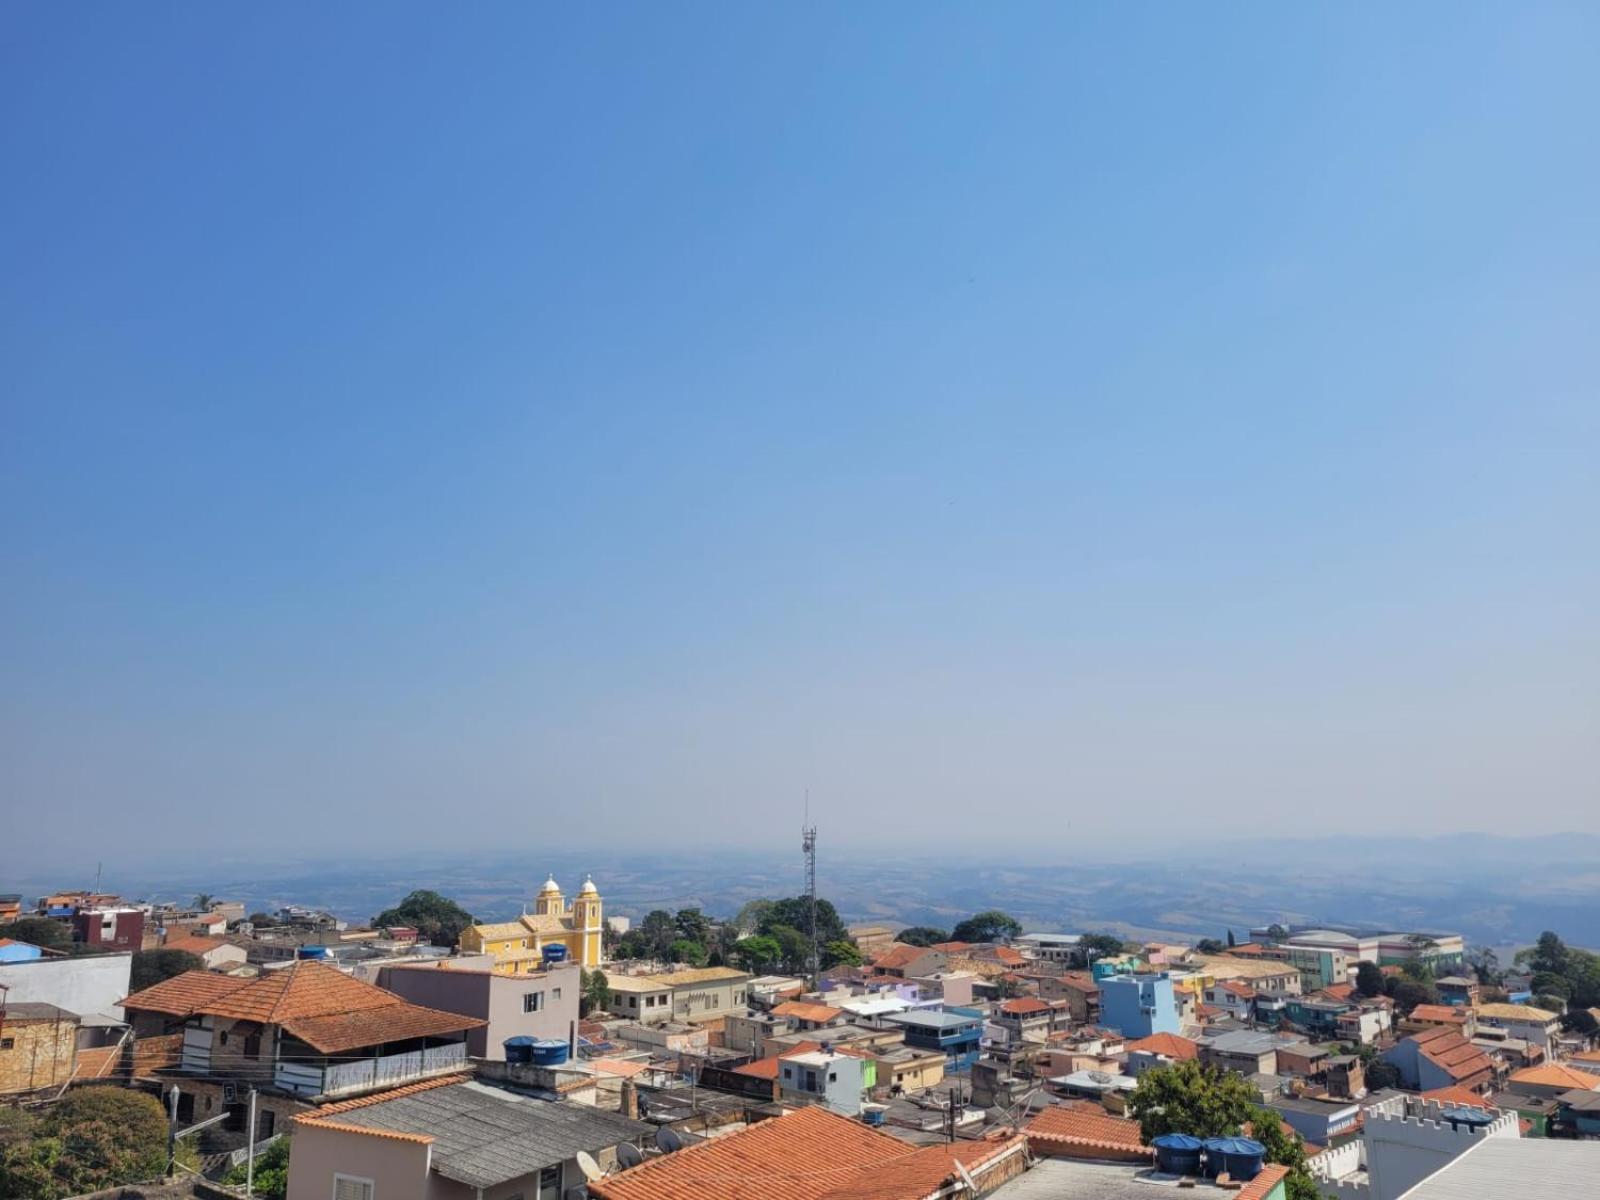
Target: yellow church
518 946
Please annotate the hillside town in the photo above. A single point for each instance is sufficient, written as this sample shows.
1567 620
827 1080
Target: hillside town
774 1052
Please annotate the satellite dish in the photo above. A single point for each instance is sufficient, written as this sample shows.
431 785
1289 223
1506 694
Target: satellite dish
629 1155
966 1177
591 1169
668 1139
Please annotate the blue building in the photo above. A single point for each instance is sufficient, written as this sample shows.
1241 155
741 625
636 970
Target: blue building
1138 1005
14 951
956 1031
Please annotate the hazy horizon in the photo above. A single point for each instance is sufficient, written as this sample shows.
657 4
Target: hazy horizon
1058 426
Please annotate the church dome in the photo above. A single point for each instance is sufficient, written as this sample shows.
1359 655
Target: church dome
550 885
588 888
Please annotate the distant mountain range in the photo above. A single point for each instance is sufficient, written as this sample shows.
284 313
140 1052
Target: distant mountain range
1499 891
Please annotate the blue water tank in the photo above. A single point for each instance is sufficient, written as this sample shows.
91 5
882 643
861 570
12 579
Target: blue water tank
1177 1154
519 1049
1240 1157
549 1052
873 1114
1463 1117
553 954
311 952
1104 969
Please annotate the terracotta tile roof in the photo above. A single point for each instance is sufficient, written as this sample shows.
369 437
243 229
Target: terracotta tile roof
184 995
923 1172
1241 990
1516 1012
1452 1053
1080 981
1167 1044
1439 1012
898 956
1340 991
627 1068
393 1135
1008 956
1457 1095
1086 1125
802 1011
320 1005
767 1068
952 947
1556 1075
193 943
801 1156
1024 1006
1261 1186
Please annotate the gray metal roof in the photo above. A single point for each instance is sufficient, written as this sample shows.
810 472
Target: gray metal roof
485 1136
929 1019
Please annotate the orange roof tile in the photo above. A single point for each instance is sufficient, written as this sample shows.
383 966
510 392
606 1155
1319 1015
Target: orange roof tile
767 1068
1557 1075
898 956
802 1011
393 1135
619 1066
410 1089
1087 1125
1168 1044
952 947
1024 1006
1452 1053
1008 956
184 995
1439 1012
193 943
801 1156
1457 1095
1261 1186
923 1172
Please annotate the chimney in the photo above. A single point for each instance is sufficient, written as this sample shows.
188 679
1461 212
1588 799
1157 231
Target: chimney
630 1100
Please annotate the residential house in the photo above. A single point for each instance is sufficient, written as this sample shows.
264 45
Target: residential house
956 1032
1346 1077
748 1032
1236 999
1317 1014
1538 1026
1079 989
1459 990
1138 1005
1318 1121
815 1154
905 1068
837 1078
570 928
1247 1051
1159 1050
213 952
90 985
38 1046
300 1034
12 950
1577 1114
109 928
1550 1080
692 996
453 1139
1452 1016
1273 980
1084 1130
1065 949
1364 1025
1091 1085
10 907
871 939
1440 1057
1028 1019
911 962
508 1004
806 1017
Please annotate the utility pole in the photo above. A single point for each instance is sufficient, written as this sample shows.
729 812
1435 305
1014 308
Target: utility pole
172 1129
808 842
250 1152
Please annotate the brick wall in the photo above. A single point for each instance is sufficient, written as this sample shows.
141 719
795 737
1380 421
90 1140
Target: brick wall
36 1054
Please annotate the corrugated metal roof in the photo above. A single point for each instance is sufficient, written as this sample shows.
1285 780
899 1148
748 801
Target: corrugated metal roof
485 1136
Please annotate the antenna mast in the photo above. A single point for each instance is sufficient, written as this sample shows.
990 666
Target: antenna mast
808 842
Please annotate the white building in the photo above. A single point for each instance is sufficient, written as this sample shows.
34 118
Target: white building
1404 1140
838 1080
1061 948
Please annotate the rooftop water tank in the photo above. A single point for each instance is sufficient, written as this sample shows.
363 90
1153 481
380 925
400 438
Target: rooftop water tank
873 1114
311 952
554 954
1104 969
549 1052
1239 1157
1463 1117
519 1049
1177 1154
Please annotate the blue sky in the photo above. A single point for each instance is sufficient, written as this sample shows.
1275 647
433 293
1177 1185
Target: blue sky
515 424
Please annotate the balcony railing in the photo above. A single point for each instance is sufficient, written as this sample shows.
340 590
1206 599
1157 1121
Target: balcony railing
317 1079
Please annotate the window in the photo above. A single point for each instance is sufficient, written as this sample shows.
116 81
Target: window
555 994
349 1187
532 1002
7 1043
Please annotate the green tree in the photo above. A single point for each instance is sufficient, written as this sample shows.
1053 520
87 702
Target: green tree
1287 1148
1100 945
841 953
1187 1097
751 916
1485 963
45 932
693 925
758 953
922 935
1276 932
264 920
94 1138
437 919
659 930
202 901
1231 942
1380 1075
991 925
271 1172
794 947
1580 1020
16 1127
150 967
1208 946
1409 993
1550 984
682 950
795 912
596 992
1369 979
